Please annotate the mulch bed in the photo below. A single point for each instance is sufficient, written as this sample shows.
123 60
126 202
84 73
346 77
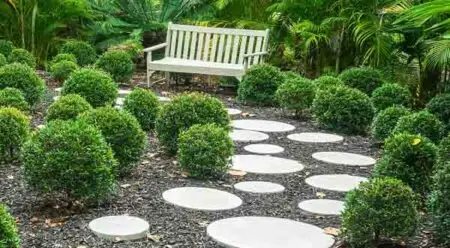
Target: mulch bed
49 223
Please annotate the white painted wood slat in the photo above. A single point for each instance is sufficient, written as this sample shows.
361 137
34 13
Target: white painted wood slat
259 42
221 47
243 49
180 44
251 44
193 46
212 57
235 49
206 47
200 46
226 59
173 43
187 41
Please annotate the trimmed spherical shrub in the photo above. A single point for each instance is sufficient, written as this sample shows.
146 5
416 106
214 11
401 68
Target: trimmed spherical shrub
389 95
24 78
444 150
144 105
2 60
344 109
6 47
64 57
386 120
296 94
9 237
14 131
118 64
410 158
365 79
12 97
259 85
423 123
325 82
380 209
62 70
290 75
439 204
67 107
185 111
440 106
84 52
122 132
22 56
97 87
70 157
205 150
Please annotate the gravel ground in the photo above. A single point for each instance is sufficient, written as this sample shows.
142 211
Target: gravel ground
49 223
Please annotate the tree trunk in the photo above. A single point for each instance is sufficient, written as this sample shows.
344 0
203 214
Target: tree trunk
339 50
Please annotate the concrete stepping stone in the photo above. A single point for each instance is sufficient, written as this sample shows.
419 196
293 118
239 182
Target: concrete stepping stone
315 137
232 111
262 125
164 99
322 206
198 198
335 182
58 90
267 232
259 187
344 158
264 149
264 164
55 98
119 227
124 92
119 101
247 136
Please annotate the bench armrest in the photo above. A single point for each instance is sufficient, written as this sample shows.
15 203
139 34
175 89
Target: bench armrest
153 48
255 54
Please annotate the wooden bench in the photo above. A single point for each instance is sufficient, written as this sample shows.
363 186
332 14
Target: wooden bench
210 51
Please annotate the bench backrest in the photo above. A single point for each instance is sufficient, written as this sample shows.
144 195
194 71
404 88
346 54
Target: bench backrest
222 45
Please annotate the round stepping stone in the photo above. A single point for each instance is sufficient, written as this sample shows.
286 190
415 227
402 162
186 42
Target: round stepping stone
344 158
259 187
124 92
232 111
202 198
335 182
164 99
315 137
247 136
264 149
263 164
267 232
322 206
120 100
58 89
119 227
55 98
262 125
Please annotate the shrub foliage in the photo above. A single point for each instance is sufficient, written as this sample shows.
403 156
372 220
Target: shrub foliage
386 120
64 57
67 107
22 56
423 123
84 52
144 105
12 97
439 203
9 237
325 82
389 95
2 60
14 131
6 47
296 94
440 106
365 79
62 70
118 64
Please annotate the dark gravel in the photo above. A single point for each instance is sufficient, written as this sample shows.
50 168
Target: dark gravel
49 223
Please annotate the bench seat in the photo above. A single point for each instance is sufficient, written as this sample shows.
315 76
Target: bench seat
198 67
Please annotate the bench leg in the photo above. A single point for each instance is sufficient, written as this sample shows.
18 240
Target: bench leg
167 77
149 75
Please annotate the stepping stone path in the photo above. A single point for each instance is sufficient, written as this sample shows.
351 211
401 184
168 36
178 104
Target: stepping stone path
119 101
344 158
263 164
315 137
247 136
119 227
335 182
232 111
267 232
202 198
262 125
322 206
264 149
259 187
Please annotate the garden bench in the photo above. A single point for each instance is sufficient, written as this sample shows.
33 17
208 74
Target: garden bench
210 51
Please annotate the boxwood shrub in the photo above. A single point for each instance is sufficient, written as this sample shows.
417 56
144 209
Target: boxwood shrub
64 57
410 158
144 105
118 64
296 94
67 107
386 120
22 56
62 70
122 132
439 204
97 87
325 82
423 123
389 95
440 106
184 111
6 47
259 85
69 157
9 237
24 78
344 109
205 150
365 79
14 131
378 210
444 150
83 51
12 97
132 47
2 60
